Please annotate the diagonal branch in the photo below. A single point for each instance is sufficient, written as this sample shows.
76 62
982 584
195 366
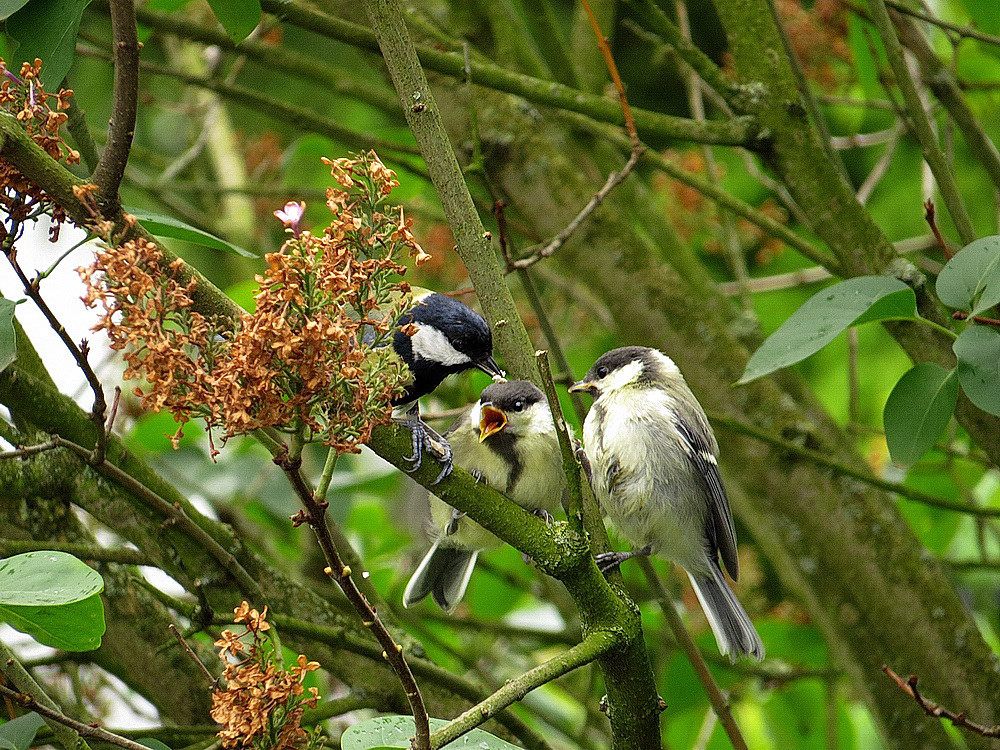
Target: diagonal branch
111 168
938 711
514 690
315 515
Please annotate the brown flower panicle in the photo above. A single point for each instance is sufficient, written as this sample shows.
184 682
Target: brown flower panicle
23 96
314 354
262 702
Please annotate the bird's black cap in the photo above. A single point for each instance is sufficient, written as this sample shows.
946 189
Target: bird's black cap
466 332
506 396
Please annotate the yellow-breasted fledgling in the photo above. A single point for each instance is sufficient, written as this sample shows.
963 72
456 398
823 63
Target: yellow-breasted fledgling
450 337
507 439
655 473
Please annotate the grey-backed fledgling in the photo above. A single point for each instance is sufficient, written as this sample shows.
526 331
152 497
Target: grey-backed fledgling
450 337
507 439
655 473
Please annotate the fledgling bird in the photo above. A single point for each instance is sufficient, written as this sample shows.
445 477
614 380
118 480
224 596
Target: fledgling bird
450 337
507 439
655 473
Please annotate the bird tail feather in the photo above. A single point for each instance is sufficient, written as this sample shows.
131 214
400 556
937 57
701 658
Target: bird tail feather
444 573
733 630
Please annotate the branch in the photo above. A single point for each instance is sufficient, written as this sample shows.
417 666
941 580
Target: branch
339 573
120 555
19 677
474 243
929 214
514 690
79 353
571 465
904 491
278 109
922 128
735 132
27 701
614 179
938 711
111 168
941 81
720 703
172 511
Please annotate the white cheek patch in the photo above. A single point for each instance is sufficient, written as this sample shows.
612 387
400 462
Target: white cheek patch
621 377
475 415
429 343
666 364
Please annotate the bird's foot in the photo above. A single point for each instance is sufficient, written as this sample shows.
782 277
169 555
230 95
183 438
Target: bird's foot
608 561
425 439
477 475
544 515
452 527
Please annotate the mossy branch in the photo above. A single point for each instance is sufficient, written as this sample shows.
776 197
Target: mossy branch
652 125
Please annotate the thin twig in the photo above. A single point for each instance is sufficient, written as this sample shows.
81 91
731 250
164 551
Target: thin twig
514 690
314 514
614 179
720 704
32 289
959 315
111 168
571 465
962 31
929 217
938 711
922 126
28 701
192 655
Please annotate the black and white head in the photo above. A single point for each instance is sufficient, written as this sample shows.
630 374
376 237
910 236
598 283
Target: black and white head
450 337
515 409
625 367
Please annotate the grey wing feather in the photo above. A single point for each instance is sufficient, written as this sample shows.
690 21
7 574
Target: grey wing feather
695 430
463 419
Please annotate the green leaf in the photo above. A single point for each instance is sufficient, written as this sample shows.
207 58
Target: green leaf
238 17
46 29
390 732
46 579
53 597
167 226
971 279
8 342
918 410
70 627
985 13
978 352
18 733
10 7
825 315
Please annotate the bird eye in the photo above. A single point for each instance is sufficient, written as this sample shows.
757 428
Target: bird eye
518 405
602 372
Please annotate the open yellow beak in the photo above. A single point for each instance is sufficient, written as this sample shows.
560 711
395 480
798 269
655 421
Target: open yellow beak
491 421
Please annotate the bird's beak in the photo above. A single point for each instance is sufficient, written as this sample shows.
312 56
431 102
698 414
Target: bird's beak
582 386
491 421
491 368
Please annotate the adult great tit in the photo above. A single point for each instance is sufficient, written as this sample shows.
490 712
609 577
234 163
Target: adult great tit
655 473
449 337
507 439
